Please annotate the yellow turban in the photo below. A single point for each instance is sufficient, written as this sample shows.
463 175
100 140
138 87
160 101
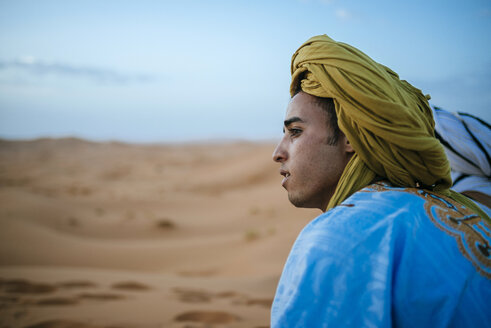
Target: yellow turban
388 122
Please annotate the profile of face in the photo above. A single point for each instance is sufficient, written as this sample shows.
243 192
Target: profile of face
311 166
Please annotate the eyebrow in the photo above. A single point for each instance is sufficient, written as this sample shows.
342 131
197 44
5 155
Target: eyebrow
293 120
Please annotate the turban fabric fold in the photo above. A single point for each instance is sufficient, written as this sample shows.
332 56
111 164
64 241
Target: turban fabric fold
388 122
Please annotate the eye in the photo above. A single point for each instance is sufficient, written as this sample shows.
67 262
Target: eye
294 132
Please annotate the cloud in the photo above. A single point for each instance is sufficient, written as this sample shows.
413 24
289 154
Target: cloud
343 14
101 75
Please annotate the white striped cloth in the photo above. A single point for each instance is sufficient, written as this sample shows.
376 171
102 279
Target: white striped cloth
467 143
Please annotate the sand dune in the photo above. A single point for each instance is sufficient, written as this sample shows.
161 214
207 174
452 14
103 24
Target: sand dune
120 235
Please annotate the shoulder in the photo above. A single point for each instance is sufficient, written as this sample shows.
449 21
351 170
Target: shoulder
422 227
362 234
406 223
383 198
343 257
375 207
384 245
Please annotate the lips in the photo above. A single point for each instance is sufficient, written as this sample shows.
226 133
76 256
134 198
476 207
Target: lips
286 175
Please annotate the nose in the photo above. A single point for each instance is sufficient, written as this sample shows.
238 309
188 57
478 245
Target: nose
280 154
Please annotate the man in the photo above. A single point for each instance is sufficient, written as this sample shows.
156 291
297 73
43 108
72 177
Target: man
395 246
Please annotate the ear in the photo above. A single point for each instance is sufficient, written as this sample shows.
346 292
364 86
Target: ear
347 145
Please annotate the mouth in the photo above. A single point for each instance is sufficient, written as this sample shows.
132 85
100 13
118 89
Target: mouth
286 175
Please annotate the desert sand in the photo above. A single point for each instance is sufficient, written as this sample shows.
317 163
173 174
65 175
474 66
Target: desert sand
124 235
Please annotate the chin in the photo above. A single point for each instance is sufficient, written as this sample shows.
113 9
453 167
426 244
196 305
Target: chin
306 202
299 202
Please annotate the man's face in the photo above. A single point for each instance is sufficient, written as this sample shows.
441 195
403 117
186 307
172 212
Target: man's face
310 165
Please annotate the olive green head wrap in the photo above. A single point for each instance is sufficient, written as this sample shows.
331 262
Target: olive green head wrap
388 121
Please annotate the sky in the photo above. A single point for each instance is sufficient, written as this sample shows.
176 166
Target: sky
179 71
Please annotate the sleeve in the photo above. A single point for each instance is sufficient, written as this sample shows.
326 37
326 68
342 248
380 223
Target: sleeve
339 272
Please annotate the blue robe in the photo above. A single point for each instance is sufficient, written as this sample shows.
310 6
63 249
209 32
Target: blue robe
388 257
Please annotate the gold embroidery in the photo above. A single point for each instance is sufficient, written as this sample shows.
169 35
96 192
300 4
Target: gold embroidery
473 234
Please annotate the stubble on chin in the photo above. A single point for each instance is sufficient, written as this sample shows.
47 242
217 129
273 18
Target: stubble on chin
296 200
302 200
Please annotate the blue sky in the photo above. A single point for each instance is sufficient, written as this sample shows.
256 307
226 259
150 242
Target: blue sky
161 71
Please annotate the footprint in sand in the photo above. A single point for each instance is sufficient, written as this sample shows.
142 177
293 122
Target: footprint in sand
77 284
244 300
166 224
21 286
227 294
56 301
264 302
130 286
8 300
62 324
101 296
208 317
193 295
25 287
190 295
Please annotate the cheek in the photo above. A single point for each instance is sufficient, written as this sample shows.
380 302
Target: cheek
309 159
320 163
